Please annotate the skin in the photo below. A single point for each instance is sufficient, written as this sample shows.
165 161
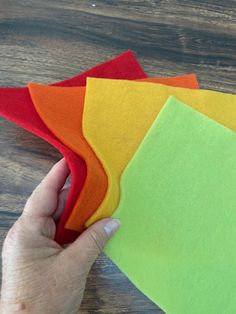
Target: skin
38 275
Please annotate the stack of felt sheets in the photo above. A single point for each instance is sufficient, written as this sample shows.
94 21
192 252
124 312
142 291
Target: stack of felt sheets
159 154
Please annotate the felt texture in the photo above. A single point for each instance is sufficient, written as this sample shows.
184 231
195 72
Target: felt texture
52 103
186 81
61 109
16 105
115 120
177 211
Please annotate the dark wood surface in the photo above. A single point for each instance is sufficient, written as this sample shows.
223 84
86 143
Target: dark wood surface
49 40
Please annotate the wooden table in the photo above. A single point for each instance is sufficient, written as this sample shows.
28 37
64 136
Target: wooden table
52 40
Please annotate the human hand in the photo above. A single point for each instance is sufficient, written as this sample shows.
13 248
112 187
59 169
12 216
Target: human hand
40 276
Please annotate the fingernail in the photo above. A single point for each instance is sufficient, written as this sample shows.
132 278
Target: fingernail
111 226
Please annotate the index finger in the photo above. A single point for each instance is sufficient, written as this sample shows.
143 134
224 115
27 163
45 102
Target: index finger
43 201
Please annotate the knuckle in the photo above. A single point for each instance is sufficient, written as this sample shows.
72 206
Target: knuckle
15 230
97 240
13 237
35 194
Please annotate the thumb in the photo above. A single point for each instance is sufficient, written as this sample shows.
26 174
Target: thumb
92 241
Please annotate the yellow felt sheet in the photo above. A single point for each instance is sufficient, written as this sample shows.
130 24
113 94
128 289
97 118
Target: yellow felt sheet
118 114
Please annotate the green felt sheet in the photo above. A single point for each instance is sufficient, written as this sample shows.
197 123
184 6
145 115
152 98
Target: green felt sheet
177 241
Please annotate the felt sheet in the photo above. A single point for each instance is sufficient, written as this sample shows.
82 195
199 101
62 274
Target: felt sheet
177 211
116 117
16 105
186 81
61 109
52 103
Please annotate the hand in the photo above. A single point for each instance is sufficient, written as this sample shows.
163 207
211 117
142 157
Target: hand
40 276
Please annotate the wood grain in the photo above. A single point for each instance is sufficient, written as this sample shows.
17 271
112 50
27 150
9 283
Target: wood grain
51 40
